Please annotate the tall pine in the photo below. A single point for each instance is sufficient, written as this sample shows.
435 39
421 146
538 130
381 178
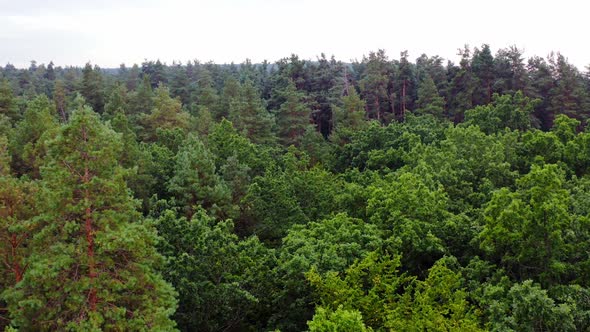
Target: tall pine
93 262
293 116
429 101
250 117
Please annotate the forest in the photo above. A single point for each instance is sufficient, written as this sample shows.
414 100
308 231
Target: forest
384 194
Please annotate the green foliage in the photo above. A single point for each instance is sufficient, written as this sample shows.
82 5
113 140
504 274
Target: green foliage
92 87
281 198
249 116
328 245
340 320
388 299
525 229
376 147
506 111
224 141
117 102
141 101
30 134
8 106
468 164
207 95
59 99
527 307
293 116
221 281
77 279
19 199
4 156
387 170
564 127
412 214
195 182
429 101
374 85
166 114
351 114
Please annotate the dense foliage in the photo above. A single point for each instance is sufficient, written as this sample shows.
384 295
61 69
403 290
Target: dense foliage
301 195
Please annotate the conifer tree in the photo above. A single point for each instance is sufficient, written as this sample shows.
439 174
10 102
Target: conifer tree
207 96
250 117
92 87
406 82
8 106
375 85
117 101
27 142
293 116
229 98
429 101
511 74
17 208
132 78
483 68
93 262
461 88
195 182
179 83
351 114
59 99
141 100
569 96
130 152
166 114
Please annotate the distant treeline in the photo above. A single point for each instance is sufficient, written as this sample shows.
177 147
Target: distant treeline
389 87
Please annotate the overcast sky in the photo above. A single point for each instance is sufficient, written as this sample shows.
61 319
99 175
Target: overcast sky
111 32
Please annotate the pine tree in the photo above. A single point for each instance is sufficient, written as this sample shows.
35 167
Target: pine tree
16 210
117 101
406 83
293 116
141 101
18 200
179 83
59 99
203 122
429 101
8 106
155 72
93 262
28 141
482 65
50 72
229 97
352 112
207 96
132 79
375 87
195 182
166 114
250 117
130 153
461 89
510 71
542 83
432 66
569 96
92 87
